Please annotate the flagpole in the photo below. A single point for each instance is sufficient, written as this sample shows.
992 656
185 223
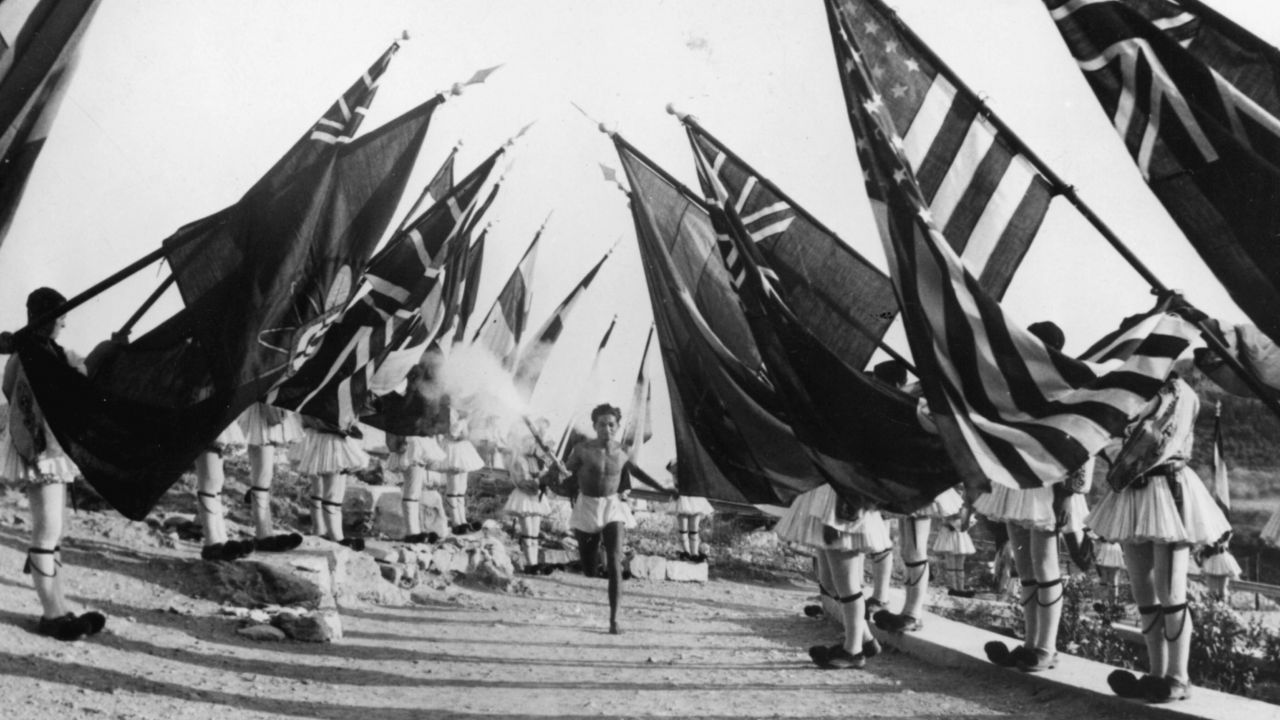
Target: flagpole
691 121
426 189
1069 192
102 286
1234 29
146 305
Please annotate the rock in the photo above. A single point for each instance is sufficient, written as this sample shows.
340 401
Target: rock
379 506
357 581
680 571
262 633
259 616
761 539
648 567
314 626
382 551
391 572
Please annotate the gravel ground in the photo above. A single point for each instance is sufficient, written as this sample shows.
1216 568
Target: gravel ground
719 650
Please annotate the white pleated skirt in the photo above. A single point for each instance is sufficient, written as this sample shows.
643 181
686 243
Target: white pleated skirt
870 534
418 452
525 504
52 468
460 456
230 441
1031 508
1149 514
1109 555
1221 564
948 503
321 452
799 525
951 541
810 513
693 505
257 431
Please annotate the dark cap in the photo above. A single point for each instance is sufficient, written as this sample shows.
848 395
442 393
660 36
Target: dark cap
1049 333
43 301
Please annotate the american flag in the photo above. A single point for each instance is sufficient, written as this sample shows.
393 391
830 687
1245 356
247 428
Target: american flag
846 301
502 328
985 196
1195 100
534 356
1010 409
379 336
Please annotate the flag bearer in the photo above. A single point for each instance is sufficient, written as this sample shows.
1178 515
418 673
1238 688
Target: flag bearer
1034 517
265 429
32 460
329 454
1158 510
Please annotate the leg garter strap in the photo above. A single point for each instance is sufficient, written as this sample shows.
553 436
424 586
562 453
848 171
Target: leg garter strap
1044 586
30 567
920 576
850 598
1150 610
1170 610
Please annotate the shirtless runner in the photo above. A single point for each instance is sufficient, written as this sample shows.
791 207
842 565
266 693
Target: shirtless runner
600 468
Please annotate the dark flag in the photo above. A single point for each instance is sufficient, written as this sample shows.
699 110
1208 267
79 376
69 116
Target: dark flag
38 52
863 435
730 440
987 199
261 281
847 302
638 428
1201 123
373 346
572 435
464 272
336 127
503 327
534 357
1009 409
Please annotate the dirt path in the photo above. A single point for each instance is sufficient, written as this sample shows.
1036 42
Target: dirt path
720 650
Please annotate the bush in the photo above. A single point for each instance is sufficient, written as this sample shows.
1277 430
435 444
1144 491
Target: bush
1086 628
1227 653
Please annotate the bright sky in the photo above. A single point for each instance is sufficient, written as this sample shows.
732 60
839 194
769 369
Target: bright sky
178 106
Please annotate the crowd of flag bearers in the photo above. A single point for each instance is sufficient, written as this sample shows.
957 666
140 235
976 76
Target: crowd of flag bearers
765 320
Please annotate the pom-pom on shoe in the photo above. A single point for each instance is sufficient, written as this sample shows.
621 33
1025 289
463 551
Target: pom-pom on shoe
356 544
66 628
279 543
1037 660
1163 689
1125 684
871 648
841 659
813 611
999 654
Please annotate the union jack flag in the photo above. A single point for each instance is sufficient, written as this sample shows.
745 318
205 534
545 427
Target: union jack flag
1195 99
382 333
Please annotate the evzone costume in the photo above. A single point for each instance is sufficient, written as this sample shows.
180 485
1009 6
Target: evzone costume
1157 509
417 458
328 454
210 481
690 510
266 428
527 503
461 459
32 461
840 536
953 543
913 534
